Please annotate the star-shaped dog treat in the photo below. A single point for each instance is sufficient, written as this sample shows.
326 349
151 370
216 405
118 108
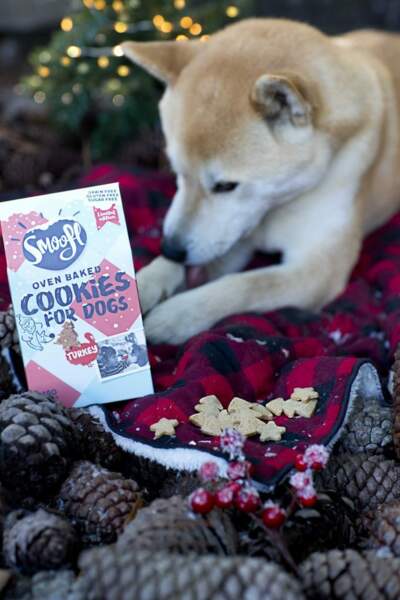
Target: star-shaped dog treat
271 432
164 427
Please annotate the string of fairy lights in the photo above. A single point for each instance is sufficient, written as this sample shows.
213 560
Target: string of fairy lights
182 29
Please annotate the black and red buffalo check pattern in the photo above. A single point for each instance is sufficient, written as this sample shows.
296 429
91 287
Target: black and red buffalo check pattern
258 356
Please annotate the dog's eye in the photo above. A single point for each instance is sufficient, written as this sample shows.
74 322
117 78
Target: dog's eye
223 187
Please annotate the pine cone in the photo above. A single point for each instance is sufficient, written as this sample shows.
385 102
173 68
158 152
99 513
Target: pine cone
45 585
39 540
396 402
368 430
367 480
98 501
7 386
149 474
4 509
53 585
383 527
309 530
119 573
348 575
37 440
18 588
96 444
8 330
169 525
179 483
306 531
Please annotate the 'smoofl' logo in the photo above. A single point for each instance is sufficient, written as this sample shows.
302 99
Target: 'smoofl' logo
55 246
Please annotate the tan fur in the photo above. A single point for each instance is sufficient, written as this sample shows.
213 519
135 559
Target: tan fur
309 127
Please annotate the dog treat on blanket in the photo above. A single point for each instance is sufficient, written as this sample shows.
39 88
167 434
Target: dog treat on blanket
305 410
290 408
211 401
211 426
304 394
164 427
238 404
271 432
246 417
226 420
199 418
208 409
248 425
276 406
261 412
76 305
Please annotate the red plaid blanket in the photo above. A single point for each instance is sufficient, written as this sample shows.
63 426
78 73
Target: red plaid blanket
258 356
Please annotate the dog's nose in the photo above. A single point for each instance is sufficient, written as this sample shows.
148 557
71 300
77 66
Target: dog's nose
171 249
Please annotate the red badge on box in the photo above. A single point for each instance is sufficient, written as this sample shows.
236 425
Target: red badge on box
107 215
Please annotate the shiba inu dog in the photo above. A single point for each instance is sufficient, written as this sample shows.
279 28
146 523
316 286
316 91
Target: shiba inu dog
282 139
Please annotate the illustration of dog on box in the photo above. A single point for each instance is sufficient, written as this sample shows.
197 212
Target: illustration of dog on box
282 139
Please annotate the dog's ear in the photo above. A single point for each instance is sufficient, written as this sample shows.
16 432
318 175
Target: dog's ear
278 97
164 60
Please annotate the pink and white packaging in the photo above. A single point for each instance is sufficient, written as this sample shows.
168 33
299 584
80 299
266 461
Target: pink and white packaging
73 288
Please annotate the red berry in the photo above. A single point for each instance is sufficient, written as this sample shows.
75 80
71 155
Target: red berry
247 500
235 486
307 501
317 466
239 469
300 464
225 496
273 517
202 501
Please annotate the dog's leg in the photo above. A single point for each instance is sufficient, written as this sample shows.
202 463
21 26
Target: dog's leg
314 271
162 277
158 281
233 261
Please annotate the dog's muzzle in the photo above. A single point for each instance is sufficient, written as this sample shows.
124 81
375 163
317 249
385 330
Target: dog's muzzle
171 249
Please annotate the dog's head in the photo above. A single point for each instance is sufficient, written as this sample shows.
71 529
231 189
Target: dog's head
240 119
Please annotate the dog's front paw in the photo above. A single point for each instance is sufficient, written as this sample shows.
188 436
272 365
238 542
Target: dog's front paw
176 320
150 291
158 281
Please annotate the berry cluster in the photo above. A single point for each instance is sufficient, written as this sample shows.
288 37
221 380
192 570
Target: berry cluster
237 491
315 458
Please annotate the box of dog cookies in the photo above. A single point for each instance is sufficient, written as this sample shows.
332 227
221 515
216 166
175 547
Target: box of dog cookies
73 288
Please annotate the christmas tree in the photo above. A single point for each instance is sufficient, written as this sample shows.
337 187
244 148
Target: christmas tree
90 88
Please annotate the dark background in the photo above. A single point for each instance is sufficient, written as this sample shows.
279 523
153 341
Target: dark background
336 16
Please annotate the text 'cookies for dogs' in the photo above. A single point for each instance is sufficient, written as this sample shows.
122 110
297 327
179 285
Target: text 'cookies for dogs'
73 287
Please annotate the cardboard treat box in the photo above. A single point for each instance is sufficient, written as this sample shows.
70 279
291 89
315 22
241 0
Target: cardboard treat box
73 287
